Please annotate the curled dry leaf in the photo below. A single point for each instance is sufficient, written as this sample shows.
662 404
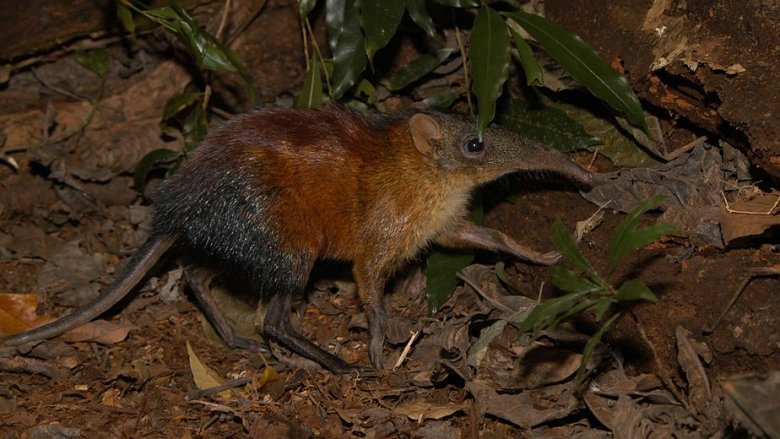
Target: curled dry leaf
418 409
538 406
204 376
100 331
688 353
18 313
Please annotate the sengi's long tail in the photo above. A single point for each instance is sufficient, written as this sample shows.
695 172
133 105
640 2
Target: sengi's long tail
134 272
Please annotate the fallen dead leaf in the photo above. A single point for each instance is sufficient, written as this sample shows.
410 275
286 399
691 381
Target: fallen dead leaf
528 408
736 223
18 313
754 403
688 353
418 409
99 331
204 376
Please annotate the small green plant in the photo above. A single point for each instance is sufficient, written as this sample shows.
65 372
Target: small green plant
186 111
587 290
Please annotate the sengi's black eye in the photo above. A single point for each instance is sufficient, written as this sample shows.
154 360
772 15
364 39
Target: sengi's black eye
474 146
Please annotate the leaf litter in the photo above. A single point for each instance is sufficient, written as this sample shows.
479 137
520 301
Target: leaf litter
469 370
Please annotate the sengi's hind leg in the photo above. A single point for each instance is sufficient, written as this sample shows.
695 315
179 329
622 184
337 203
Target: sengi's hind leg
199 280
277 326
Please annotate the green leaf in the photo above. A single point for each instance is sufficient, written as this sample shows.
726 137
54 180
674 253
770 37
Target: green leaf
148 161
533 72
443 266
600 308
441 278
311 94
125 17
380 19
489 55
194 126
634 289
365 91
178 102
593 341
547 125
419 15
565 244
567 281
626 236
334 21
621 149
545 314
95 60
584 65
349 57
459 3
418 68
442 101
306 6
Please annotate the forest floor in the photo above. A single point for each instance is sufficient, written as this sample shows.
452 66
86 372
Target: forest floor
69 216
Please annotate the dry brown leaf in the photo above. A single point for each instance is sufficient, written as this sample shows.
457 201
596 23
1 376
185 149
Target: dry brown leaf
735 225
688 353
529 408
99 331
17 313
418 409
204 376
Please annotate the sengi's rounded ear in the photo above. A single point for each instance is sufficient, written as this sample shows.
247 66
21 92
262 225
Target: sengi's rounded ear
425 131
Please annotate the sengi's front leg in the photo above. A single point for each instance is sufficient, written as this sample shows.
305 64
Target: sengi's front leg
470 235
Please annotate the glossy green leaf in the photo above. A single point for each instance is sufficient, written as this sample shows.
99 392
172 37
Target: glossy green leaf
419 14
590 346
194 126
531 67
441 278
489 55
627 238
311 94
621 149
418 68
634 289
545 314
444 265
148 161
125 17
565 244
567 281
380 19
95 60
442 101
334 21
306 6
583 64
601 307
349 57
459 3
547 125
366 91
178 102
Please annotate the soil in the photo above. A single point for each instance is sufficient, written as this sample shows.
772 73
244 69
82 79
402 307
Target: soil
69 216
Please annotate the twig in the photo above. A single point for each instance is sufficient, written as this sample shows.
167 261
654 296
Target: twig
465 68
319 55
689 146
406 350
754 273
593 158
223 22
479 291
195 394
